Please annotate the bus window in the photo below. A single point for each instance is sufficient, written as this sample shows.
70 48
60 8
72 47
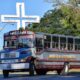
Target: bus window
39 44
5 43
10 43
13 43
47 41
55 41
62 43
70 43
77 44
25 43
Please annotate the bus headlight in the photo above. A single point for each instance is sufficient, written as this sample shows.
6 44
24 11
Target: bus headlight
23 60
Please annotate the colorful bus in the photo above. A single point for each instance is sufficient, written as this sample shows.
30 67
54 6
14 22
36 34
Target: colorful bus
25 50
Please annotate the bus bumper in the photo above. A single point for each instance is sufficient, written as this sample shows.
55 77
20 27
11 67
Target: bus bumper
12 66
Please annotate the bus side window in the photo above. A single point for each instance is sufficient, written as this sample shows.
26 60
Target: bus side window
63 43
8 43
13 44
5 44
77 44
55 41
70 43
47 41
39 44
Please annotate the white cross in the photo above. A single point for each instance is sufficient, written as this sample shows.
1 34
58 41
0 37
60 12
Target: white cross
20 14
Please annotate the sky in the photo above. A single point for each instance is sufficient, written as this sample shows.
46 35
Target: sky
32 7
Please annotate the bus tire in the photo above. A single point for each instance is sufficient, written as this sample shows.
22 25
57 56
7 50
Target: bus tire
65 69
59 71
41 72
31 68
5 73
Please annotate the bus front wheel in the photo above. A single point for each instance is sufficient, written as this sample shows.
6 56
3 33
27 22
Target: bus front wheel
5 73
41 72
59 71
31 68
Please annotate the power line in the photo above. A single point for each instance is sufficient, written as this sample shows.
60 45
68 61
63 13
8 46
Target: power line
4 27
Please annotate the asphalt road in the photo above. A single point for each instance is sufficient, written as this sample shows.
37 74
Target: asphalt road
24 76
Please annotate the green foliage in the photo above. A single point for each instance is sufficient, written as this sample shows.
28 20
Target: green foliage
65 20
71 19
74 2
21 28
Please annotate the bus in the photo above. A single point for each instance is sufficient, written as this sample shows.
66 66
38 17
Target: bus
39 52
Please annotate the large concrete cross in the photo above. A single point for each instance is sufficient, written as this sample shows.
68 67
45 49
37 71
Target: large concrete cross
20 18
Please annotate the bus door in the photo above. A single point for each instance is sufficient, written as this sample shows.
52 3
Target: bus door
39 44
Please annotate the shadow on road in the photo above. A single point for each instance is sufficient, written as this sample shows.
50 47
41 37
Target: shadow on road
77 74
13 76
74 73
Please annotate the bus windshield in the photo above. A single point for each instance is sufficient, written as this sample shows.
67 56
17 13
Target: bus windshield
25 43
19 39
19 42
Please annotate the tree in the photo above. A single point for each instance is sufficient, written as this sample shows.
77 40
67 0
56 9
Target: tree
64 20
71 20
21 28
60 2
56 3
74 2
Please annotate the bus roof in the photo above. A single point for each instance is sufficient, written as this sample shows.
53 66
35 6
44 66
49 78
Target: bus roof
16 32
58 35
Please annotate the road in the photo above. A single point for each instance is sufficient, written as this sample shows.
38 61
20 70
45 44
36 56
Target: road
24 76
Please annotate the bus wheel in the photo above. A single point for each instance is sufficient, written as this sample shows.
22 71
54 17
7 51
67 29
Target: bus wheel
31 68
41 72
5 73
59 71
65 69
